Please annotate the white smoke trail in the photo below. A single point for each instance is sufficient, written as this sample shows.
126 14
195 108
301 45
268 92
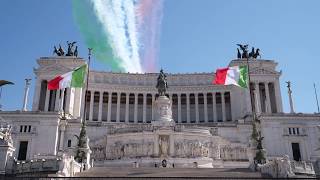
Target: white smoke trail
119 22
132 30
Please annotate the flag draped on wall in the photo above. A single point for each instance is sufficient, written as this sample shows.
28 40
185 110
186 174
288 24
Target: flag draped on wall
236 75
73 78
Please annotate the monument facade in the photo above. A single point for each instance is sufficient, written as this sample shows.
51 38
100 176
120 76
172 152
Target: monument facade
139 120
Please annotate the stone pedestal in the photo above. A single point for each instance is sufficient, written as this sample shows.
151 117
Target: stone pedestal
86 164
163 112
6 151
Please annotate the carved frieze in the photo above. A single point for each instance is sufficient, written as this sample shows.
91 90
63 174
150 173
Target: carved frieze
191 149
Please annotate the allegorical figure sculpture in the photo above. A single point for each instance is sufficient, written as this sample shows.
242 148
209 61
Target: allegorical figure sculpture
244 48
71 50
162 83
288 85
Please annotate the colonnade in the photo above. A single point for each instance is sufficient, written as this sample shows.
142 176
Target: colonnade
138 107
49 100
264 96
192 107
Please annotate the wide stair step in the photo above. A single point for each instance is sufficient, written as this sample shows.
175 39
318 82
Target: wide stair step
172 173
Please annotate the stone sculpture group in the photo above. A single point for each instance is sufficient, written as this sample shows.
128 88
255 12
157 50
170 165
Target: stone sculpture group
245 54
72 51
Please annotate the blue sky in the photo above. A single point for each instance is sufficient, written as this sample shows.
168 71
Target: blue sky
196 36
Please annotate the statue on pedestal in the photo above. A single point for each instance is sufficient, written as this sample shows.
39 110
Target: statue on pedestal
162 83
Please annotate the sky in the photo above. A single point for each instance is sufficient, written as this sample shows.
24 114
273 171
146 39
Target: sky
196 36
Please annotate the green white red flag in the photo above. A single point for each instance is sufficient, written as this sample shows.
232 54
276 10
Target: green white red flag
236 75
75 78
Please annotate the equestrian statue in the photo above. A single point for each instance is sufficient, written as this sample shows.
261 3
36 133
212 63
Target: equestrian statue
162 83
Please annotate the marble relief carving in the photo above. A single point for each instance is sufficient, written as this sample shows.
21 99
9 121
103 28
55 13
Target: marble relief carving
191 149
129 150
233 153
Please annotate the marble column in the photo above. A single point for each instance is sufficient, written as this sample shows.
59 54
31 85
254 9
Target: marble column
46 105
58 99
188 107
91 105
144 108
109 106
196 97
268 102
257 98
81 101
214 107
136 108
36 98
118 107
127 107
205 104
62 130
152 111
64 100
100 105
232 105
179 108
223 105
278 96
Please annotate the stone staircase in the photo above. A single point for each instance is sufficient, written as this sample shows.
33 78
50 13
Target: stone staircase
171 173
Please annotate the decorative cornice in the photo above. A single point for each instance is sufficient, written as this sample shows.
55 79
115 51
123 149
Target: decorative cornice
290 116
264 71
56 65
151 89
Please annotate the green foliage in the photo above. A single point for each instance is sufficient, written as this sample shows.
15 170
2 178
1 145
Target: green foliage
260 157
256 137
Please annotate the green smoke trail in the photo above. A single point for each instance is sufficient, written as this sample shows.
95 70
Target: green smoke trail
93 34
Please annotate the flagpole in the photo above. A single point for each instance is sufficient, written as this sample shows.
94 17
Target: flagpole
83 139
250 91
86 86
256 136
315 92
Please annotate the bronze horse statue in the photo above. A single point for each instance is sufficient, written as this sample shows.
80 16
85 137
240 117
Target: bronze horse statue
162 83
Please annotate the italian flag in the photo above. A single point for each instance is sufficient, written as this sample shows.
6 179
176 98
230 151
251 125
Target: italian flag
236 75
74 78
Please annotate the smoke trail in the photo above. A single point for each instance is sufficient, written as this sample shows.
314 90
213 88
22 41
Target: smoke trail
149 14
123 33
